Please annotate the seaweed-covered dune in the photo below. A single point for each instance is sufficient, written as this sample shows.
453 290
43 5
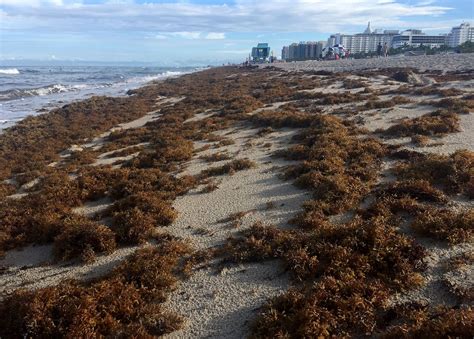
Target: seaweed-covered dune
304 200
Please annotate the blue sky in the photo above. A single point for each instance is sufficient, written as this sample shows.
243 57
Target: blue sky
210 31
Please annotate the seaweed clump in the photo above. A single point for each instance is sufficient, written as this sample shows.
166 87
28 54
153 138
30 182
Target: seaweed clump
219 156
280 119
125 303
454 173
416 321
6 190
135 217
229 168
458 105
339 167
444 224
83 238
347 272
417 189
396 100
436 123
42 137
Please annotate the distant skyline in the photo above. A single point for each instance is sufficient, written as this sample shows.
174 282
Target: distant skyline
199 32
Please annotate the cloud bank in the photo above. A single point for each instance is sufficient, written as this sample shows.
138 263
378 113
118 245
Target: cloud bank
187 20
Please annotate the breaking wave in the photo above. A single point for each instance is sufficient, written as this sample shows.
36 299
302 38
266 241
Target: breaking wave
16 93
9 71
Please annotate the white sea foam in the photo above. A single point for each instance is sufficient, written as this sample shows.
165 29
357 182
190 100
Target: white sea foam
9 71
42 91
58 88
148 78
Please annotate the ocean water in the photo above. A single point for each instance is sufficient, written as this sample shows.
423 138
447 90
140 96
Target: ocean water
28 91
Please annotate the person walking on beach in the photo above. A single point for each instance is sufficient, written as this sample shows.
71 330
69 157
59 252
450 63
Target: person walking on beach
385 50
379 49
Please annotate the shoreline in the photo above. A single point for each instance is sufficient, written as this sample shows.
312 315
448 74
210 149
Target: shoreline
82 92
262 187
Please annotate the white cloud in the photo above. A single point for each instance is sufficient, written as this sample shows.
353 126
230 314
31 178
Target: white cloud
30 3
234 51
215 36
160 37
187 35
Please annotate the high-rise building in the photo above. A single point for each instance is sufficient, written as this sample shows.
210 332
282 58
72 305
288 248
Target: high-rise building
313 50
293 51
261 52
301 50
416 38
460 34
285 53
309 50
370 39
334 39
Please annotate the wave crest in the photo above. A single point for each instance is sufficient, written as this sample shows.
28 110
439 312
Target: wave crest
9 71
41 91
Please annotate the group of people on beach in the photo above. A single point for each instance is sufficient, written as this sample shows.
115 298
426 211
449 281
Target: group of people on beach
335 53
382 49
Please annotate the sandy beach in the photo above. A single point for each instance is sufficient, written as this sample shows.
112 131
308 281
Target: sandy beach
445 63
301 192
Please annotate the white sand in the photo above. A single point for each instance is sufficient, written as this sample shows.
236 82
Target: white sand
450 62
222 305
41 273
91 208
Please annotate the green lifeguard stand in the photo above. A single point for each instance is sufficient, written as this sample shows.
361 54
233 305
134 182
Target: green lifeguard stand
261 52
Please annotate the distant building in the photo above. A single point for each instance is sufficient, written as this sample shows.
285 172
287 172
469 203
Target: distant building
460 34
370 39
334 39
309 50
416 38
313 50
260 53
292 51
285 53
363 42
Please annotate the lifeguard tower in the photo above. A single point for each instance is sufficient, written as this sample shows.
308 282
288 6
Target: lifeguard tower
261 52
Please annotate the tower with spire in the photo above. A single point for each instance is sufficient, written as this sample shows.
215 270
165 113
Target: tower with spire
368 30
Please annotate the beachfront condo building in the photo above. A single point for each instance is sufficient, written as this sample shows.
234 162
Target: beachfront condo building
416 38
309 50
261 53
369 40
460 34
363 42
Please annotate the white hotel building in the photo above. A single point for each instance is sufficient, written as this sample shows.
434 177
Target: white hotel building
369 40
460 34
363 42
416 38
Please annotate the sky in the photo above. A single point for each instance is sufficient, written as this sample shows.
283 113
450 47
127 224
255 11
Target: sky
166 32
